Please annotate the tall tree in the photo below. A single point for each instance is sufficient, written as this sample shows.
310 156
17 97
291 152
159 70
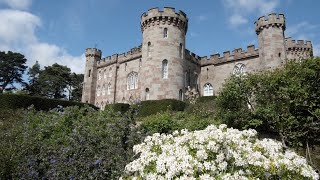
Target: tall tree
54 80
75 86
12 67
33 87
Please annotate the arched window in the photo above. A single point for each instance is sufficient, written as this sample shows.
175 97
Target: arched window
196 80
132 81
105 74
98 90
147 94
165 32
149 49
99 75
165 69
208 90
104 89
239 69
180 95
110 72
102 106
187 78
97 104
180 51
109 89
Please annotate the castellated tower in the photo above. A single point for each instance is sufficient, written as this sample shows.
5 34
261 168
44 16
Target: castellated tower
271 40
90 76
163 49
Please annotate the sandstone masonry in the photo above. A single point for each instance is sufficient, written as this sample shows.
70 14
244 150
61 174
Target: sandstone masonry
162 68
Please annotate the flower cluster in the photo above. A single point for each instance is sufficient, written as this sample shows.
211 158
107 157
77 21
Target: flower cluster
215 153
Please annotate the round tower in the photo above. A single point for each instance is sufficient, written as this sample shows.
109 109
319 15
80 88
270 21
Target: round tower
163 48
90 76
270 31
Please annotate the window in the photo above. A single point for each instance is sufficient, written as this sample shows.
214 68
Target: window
109 89
165 69
125 66
180 95
98 90
239 69
110 72
97 104
187 78
208 90
102 106
165 32
89 73
196 81
132 81
99 75
105 74
104 89
147 94
148 50
180 51
140 62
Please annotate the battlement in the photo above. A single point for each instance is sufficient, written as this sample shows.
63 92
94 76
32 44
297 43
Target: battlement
133 53
190 56
237 54
93 52
168 16
273 19
299 44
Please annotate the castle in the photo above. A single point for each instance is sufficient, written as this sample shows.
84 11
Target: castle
162 68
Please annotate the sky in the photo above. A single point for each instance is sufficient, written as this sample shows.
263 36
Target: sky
59 31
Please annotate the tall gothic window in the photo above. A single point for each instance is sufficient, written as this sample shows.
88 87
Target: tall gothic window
104 89
99 75
165 32
132 81
239 69
105 74
110 72
148 50
147 94
102 106
196 81
208 90
180 95
98 90
187 78
165 69
109 89
180 50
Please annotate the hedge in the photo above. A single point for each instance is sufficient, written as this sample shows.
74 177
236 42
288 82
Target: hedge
14 101
154 106
206 99
118 107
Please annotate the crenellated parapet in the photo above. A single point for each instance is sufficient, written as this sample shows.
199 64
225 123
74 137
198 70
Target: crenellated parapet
272 20
237 54
168 16
93 52
192 57
133 53
299 49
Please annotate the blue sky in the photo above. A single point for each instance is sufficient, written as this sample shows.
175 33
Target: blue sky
59 30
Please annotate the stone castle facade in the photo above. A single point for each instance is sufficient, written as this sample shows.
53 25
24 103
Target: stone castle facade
162 68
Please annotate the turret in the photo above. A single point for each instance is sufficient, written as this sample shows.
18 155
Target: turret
270 31
163 52
90 76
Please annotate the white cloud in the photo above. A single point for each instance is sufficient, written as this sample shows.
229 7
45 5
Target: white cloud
236 20
19 34
17 4
194 34
240 9
201 18
297 29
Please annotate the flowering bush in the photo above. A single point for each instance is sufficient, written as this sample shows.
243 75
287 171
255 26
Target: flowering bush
216 152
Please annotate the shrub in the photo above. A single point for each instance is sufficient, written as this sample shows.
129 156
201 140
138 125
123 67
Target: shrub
119 107
215 153
14 101
153 106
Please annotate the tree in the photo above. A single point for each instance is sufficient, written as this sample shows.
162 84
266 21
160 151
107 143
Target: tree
75 86
285 101
53 81
33 87
12 67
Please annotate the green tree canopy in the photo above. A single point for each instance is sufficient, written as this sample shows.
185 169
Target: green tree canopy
12 67
285 101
